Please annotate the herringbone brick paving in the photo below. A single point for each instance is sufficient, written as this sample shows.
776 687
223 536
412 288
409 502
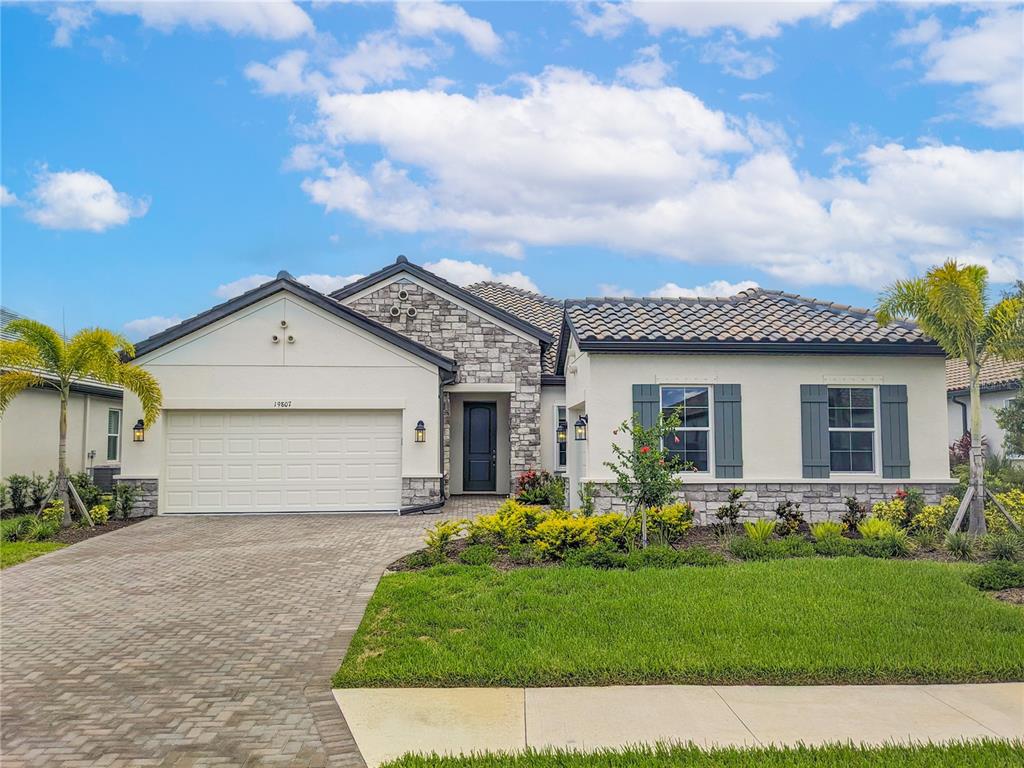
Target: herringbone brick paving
193 641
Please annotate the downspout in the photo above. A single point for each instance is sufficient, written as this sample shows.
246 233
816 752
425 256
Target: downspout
440 434
963 414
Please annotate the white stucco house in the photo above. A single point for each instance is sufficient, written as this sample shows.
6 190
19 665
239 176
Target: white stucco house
30 430
402 389
1000 383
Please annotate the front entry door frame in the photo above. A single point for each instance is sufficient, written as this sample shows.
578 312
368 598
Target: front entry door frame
480 462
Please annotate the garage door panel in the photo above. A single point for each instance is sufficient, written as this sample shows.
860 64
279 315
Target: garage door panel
279 461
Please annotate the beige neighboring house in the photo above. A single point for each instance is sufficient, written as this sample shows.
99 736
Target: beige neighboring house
402 389
29 428
1000 383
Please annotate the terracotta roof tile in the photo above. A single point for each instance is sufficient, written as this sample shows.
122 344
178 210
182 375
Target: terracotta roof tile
996 373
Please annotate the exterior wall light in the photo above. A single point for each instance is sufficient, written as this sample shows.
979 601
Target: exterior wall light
581 428
421 432
139 432
561 433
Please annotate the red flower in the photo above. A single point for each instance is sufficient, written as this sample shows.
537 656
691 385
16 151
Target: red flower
675 439
645 449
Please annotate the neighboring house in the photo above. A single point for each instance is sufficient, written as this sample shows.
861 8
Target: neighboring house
30 427
1000 383
402 389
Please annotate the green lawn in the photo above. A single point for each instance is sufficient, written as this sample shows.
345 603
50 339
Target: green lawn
952 756
801 621
14 552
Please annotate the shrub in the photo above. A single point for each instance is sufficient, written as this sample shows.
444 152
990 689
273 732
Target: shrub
898 543
586 493
478 554
670 521
531 480
774 549
876 528
652 557
53 515
913 504
32 528
960 545
123 499
420 559
645 472
759 530
927 539
616 528
555 536
38 487
603 555
997 575
20 495
827 529
1003 546
5 496
854 514
556 493
934 517
729 513
100 514
835 546
509 524
89 494
701 557
1013 502
892 511
440 535
523 554
790 517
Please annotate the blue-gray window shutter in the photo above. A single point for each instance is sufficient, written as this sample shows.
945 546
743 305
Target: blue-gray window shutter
647 403
728 431
892 410
814 429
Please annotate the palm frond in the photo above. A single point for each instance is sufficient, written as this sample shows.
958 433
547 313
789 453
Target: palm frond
13 382
1004 329
19 354
47 343
144 386
96 352
903 300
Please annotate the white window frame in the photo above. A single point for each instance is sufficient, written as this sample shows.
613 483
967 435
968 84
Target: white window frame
559 465
709 428
876 439
120 420
1006 402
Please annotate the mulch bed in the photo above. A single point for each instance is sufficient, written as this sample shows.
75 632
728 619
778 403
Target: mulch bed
1014 596
74 534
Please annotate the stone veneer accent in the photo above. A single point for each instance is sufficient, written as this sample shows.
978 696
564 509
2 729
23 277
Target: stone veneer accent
486 354
420 491
818 501
146 502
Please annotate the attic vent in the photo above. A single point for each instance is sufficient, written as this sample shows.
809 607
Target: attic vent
411 311
396 311
403 294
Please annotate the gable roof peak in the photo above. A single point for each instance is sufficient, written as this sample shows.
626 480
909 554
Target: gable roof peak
284 274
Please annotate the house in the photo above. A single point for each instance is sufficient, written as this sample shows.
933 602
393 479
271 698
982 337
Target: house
1000 383
30 429
402 389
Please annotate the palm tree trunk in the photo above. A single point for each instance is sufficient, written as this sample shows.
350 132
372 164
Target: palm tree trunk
976 523
62 458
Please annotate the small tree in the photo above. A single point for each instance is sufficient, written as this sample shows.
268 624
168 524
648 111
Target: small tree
646 474
38 356
1011 420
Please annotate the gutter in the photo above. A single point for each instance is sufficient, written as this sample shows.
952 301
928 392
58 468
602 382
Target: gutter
963 412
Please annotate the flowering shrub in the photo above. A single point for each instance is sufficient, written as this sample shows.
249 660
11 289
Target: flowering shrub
645 473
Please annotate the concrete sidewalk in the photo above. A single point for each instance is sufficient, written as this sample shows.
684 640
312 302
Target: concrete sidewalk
388 722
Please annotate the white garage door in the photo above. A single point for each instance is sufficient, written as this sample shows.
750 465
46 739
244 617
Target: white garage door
283 461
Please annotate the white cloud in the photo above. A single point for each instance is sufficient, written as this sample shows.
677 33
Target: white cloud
68 19
647 70
709 290
424 19
571 161
81 200
145 327
286 75
925 31
469 272
988 56
327 283
303 157
318 282
379 58
7 197
269 19
613 290
753 19
241 285
736 61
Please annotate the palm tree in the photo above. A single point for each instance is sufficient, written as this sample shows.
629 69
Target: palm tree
38 357
950 304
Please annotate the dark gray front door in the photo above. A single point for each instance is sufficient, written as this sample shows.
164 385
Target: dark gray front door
479 446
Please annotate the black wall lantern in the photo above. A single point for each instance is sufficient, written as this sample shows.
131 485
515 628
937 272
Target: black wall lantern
581 428
139 432
421 432
560 435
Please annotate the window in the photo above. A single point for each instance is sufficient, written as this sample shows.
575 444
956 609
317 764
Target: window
690 442
113 434
851 429
560 446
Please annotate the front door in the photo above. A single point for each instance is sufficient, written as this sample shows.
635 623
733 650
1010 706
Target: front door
479 446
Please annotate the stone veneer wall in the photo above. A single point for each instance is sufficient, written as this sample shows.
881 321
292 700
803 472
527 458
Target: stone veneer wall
486 354
818 501
420 491
146 502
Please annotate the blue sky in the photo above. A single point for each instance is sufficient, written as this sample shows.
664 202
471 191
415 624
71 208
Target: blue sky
159 157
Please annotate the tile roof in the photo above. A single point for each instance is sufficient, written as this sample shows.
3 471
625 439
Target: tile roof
756 316
6 315
536 309
997 374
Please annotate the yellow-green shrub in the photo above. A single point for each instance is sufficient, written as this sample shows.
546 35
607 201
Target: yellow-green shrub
935 516
509 524
877 528
671 520
893 511
100 514
1013 502
556 535
827 529
616 528
53 515
440 535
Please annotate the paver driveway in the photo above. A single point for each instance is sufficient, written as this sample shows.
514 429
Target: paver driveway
192 641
